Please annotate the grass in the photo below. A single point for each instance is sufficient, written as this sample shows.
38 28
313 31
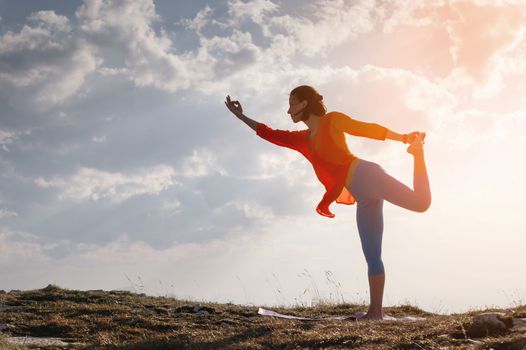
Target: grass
99 319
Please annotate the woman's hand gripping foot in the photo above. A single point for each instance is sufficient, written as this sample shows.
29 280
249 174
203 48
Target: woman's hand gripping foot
417 146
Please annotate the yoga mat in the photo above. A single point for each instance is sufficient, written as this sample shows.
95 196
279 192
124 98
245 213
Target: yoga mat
265 312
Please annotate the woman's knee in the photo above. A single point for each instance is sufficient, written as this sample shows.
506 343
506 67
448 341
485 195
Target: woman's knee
423 204
375 267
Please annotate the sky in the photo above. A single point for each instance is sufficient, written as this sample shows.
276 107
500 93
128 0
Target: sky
121 167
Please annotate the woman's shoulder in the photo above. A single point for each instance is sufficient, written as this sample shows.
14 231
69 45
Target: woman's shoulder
335 115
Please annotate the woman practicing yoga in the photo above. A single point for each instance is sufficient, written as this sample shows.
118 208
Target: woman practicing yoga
347 178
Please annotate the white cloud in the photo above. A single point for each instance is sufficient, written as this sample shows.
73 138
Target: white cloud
126 27
479 37
171 207
481 32
201 163
82 62
51 20
201 19
335 21
99 139
7 214
255 10
413 13
93 184
6 138
290 165
17 247
45 59
395 98
118 251
472 129
250 209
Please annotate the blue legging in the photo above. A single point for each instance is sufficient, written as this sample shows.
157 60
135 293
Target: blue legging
370 186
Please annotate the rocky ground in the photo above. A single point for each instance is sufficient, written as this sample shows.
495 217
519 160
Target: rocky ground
56 318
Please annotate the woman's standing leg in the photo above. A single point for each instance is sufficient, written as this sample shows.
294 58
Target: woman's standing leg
370 222
369 218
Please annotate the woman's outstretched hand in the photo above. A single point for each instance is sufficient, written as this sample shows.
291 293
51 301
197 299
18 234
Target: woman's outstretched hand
234 106
237 110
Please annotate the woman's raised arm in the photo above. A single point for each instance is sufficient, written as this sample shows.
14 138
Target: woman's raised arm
237 110
371 130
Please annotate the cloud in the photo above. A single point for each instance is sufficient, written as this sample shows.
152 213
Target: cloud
402 98
7 214
99 139
17 247
482 36
45 59
466 43
255 10
51 20
6 138
93 184
236 58
333 22
472 129
287 165
125 28
480 32
201 163
119 38
171 207
201 19
250 209
412 13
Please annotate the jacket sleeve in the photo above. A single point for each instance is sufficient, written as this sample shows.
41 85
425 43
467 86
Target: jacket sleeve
285 138
344 123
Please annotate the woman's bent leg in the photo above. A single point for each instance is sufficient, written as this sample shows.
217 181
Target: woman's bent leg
399 194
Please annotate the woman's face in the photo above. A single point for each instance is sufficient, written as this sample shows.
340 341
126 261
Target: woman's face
295 108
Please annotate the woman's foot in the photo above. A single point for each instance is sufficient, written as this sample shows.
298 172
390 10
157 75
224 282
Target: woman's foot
417 146
361 316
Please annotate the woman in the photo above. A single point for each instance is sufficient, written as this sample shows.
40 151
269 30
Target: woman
347 178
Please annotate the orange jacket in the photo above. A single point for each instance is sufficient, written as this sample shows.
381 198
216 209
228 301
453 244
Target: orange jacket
328 152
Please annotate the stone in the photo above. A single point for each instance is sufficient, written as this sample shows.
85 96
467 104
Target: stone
196 309
519 325
497 320
489 324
